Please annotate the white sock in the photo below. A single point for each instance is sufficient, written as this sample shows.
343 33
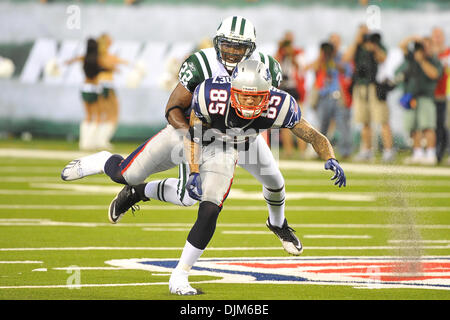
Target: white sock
106 131
418 153
431 152
189 257
275 204
94 163
168 190
87 135
82 139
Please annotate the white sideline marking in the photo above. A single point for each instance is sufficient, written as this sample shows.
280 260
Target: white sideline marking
41 154
221 249
377 169
283 164
20 262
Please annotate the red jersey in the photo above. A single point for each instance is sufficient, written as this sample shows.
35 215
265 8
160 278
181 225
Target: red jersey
441 87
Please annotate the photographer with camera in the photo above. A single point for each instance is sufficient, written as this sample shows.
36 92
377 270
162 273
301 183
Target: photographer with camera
293 82
366 53
330 101
420 73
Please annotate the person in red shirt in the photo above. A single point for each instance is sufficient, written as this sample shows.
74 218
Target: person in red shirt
443 53
289 57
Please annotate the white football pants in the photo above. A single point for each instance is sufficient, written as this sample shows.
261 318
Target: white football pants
165 151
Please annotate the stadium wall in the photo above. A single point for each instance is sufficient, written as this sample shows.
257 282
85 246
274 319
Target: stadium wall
40 38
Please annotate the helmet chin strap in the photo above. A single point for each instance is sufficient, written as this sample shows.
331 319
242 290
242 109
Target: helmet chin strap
229 67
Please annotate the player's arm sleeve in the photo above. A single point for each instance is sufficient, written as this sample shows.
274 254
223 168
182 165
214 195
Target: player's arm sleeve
275 71
293 115
191 73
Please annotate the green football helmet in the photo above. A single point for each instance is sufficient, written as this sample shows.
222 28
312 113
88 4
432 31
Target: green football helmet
235 41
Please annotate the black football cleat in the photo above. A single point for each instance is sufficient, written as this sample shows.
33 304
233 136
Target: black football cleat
125 199
289 240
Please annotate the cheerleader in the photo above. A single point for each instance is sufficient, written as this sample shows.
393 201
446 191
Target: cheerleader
109 104
90 94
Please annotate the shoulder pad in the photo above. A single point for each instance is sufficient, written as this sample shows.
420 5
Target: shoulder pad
194 70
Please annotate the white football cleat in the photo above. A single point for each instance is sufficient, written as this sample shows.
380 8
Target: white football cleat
85 166
179 284
72 171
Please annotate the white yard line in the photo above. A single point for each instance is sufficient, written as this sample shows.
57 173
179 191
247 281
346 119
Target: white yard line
185 226
73 189
151 207
235 193
414 183
90 268
247 232
87 285
166 229
333 236
306 236
20 262
419 241
437 247
354 182
34 169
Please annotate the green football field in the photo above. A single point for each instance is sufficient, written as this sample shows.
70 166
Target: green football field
385 236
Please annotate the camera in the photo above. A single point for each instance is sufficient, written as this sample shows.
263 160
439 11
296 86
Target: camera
418 46
285 43
372 37
328 49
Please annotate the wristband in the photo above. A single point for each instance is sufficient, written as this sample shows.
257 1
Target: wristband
170 109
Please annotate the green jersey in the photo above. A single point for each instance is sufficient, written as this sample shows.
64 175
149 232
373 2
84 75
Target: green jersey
203 65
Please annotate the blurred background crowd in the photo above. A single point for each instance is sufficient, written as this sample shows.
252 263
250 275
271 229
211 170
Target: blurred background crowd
374 82
349 93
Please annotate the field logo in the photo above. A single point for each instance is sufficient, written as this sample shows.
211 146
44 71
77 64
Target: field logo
361 272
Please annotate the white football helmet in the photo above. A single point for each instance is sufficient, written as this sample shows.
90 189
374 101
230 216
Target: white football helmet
235 41
251 81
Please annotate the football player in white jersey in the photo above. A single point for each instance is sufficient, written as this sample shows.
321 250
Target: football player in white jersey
228 114
235 41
